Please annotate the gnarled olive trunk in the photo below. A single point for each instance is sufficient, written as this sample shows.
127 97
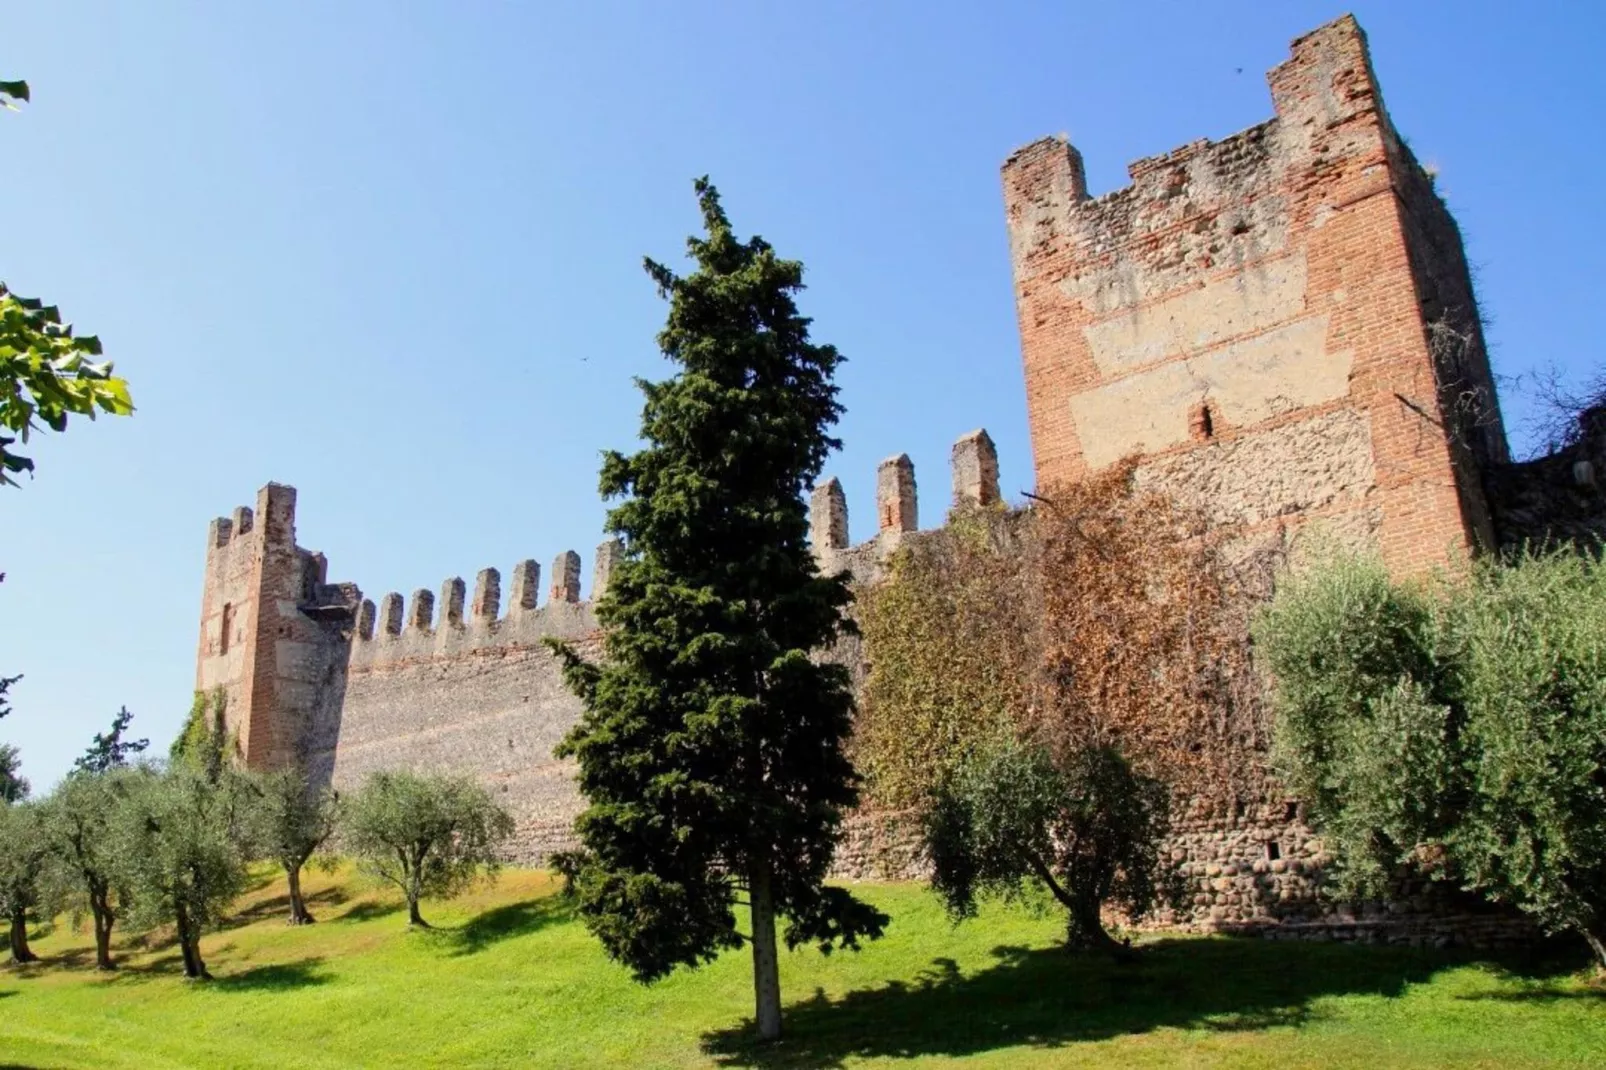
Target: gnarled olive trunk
1085 927
1595 937
189 942
20 951
766 964
100 910
299 914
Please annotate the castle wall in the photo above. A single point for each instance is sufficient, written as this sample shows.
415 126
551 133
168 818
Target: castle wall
449 687
1245 317
1279 326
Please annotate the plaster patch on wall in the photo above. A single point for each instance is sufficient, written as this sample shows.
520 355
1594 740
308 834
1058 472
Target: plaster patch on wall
1254 299
1246 382
1313 464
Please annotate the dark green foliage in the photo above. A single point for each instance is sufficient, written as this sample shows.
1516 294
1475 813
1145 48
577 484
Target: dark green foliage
1088 828
183 846
14 786
110 750
24 854
710 750
1460 725
205 744
427 835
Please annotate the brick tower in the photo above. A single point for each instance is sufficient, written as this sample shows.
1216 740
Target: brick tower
271 627
1279 326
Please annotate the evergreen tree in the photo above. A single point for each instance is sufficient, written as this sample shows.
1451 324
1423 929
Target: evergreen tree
110 750
711 748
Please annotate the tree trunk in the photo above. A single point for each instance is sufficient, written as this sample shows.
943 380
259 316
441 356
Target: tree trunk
415 890
101 911
299 915
189 942
1085 930
1595 937
20 951
766 964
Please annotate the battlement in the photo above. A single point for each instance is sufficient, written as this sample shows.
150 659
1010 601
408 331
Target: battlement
974 464
407 629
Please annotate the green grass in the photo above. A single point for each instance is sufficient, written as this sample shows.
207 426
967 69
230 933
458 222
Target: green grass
508 979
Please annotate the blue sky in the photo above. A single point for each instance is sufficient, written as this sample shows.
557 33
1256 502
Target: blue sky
390 253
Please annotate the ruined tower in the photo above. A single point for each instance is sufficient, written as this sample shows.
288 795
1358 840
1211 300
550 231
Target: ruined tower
1278 326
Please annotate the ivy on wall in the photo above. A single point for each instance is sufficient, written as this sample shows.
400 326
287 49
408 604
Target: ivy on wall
1103 615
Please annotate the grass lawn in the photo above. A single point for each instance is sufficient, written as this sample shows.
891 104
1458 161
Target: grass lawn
508 979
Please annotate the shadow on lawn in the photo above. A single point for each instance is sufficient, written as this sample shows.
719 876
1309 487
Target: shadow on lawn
1049 998
279 907
276 977
505 922
368 910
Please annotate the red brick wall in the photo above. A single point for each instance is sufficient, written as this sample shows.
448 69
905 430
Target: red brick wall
1265 289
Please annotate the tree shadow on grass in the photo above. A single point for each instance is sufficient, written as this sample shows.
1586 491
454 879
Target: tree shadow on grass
368 910
1048 998
279 907
276 977
505 922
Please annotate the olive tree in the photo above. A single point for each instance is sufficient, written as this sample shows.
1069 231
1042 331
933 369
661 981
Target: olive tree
79 820
1461 721
184 846
293 819
1087 827
427 835
24 854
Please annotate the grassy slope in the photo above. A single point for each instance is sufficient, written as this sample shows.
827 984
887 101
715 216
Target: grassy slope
507 979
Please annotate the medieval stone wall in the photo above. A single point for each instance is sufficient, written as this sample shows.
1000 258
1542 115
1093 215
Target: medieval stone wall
1278 326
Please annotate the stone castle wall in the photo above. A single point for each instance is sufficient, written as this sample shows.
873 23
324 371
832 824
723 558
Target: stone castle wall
1279 326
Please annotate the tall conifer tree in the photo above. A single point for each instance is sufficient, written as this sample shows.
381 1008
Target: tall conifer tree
711 749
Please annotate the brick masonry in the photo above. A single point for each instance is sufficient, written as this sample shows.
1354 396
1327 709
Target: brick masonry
1279 326
1271 312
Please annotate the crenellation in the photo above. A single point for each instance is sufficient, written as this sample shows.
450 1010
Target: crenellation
526 588
975 469
828 517
390 614
422 616
609 553
242 520
452 596
218 533
365 620
565 578
487 596
896 507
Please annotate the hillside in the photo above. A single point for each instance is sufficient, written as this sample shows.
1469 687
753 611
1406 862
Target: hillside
508 979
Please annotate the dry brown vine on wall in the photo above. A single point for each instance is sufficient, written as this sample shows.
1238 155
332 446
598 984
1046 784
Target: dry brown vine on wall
1146 636
1102 614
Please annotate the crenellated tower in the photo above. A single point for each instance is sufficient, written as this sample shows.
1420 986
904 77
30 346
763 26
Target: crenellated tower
270 624
1280 325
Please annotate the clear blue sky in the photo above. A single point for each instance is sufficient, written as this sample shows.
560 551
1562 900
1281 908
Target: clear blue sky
389 253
